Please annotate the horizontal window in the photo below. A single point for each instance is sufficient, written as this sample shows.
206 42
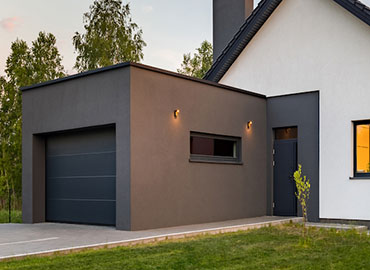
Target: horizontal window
214 148
362 148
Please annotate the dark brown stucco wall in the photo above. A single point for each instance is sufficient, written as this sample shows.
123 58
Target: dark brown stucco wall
168 190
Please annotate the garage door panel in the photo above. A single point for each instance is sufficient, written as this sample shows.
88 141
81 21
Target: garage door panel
96 140
82 211
81 165
103 187
81 177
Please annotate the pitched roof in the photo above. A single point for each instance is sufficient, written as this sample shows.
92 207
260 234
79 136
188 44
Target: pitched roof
255 21
360 10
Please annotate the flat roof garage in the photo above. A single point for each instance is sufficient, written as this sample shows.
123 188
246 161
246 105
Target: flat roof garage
142 148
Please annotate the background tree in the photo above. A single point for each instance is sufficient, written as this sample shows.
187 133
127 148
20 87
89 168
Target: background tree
198 65
24 66
46 60
110 36
10 144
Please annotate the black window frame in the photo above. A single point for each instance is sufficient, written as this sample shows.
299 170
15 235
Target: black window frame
355 173
237 160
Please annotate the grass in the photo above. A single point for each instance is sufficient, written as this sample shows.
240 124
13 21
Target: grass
266 248
16 216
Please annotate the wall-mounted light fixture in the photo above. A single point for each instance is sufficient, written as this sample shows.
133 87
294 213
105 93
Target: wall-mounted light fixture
176 113
249 124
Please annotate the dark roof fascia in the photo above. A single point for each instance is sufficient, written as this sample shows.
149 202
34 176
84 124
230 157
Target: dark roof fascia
215 84
294 94
357 8
241 39
141 66
75 76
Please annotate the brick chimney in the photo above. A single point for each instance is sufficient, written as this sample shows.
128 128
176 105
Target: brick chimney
228 16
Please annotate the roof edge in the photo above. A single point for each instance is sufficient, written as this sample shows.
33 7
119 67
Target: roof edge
203 81
295 94
242 38
145 67
75 76
357 8
255 22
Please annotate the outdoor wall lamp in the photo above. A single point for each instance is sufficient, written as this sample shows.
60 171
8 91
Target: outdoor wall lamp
176 113
249 124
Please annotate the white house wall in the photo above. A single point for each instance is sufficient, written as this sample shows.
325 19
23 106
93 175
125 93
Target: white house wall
317 45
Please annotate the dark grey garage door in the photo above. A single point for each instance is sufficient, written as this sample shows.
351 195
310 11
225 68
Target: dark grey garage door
81 177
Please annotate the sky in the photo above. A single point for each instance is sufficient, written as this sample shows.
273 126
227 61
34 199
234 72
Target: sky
170 27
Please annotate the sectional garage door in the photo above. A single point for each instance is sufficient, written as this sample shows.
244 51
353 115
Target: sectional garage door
81 177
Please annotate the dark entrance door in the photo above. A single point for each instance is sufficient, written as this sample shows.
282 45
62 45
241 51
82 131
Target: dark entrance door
81 177
285 163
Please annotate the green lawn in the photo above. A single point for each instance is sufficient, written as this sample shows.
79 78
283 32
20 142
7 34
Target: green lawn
266 248
16 216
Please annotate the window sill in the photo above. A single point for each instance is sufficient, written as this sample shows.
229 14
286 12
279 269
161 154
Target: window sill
359 178
215 162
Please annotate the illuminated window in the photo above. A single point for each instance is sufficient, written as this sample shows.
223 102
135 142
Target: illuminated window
286 133
362 148
214 148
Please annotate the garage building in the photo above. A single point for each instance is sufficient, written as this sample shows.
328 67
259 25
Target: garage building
136 147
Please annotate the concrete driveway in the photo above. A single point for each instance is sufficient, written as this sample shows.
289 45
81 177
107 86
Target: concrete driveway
20 240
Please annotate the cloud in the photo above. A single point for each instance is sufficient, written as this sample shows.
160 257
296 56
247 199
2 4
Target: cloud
9 24
147 9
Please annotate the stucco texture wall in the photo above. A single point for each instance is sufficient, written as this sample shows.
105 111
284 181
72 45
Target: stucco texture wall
167 189
94 100
317 45
301 111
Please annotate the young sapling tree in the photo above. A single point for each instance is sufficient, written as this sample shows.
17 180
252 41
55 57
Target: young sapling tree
303 193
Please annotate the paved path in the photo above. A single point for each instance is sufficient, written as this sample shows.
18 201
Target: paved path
21 240
337 226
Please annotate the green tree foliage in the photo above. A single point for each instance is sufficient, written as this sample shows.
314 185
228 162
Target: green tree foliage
24 66
110 36
198 65
10 143
46 60
303 193
18 64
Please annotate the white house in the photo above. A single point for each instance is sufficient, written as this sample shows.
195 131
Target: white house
230 153
293 46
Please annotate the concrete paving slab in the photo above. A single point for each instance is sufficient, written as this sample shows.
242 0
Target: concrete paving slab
22 240
336 226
